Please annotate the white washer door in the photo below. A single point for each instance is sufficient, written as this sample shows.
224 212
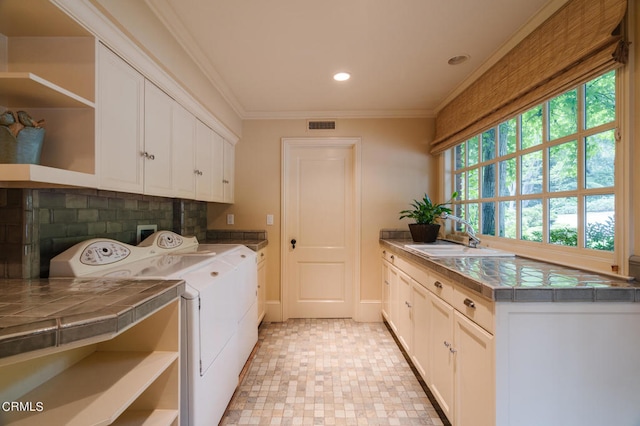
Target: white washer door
218 312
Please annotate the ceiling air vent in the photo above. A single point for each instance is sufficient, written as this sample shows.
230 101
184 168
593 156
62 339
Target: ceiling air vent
321 125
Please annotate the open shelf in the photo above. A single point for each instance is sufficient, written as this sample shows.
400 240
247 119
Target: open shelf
27 90
96 390
150 417
34 175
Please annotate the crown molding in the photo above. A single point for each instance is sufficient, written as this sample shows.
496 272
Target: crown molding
167 16
284 115
91 16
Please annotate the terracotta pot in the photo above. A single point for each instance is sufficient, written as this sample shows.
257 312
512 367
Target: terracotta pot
423 232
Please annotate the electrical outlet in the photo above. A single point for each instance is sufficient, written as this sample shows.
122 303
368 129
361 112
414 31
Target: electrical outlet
230 219
269 219
143 231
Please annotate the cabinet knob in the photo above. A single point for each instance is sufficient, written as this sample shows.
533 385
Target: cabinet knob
453 351
469 303
198 172
148 156
392 257
447 344
438 284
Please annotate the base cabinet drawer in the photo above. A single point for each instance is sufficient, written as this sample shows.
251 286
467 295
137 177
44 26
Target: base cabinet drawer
474 307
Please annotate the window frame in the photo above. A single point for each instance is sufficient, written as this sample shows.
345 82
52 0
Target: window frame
579 256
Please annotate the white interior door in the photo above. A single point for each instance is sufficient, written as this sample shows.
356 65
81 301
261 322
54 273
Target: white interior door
319 228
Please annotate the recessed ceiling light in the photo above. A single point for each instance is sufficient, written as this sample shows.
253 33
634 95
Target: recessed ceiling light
342 76
456 60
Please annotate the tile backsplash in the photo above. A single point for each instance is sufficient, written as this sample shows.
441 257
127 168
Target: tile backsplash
38 224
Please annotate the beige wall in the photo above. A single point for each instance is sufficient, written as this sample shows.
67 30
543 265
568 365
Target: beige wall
396 168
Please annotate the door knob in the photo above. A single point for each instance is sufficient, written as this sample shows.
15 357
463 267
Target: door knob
293 243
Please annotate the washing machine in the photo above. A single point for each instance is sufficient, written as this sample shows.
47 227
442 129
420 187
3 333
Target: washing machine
218 308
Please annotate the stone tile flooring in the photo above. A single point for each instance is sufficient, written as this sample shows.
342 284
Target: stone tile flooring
329 372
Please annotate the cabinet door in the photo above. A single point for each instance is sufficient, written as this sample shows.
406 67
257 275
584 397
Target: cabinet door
217 168
420 320
393 299
157 141
475 374
441 364
183 142
204 161
262 284
386 289
404 309
120 127
229 171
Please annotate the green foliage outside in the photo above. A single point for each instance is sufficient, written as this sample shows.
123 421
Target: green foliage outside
566 152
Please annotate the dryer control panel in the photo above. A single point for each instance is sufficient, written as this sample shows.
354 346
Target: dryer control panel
91 256
104 253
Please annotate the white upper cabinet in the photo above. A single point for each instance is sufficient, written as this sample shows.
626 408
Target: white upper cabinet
217 168
221 170
204 162
183 133
158 135
107 125
229 171
120 114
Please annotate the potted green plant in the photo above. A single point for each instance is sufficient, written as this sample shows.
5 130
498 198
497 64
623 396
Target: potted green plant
426 213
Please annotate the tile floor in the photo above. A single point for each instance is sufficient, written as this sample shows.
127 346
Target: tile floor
329 372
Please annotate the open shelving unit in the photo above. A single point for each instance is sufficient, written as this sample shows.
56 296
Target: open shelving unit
131 379
48 70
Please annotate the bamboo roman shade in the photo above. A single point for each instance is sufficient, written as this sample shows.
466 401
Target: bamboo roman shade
579 42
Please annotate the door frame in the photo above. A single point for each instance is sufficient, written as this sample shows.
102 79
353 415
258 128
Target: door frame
315 142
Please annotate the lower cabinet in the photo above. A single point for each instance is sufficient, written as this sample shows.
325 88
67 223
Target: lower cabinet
453 354
421 326
405 334
262 284
440 336
514 364
474 374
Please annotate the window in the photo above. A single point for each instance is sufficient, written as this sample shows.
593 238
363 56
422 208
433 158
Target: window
547 175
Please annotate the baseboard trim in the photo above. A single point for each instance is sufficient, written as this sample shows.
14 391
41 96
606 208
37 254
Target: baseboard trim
369 311
273 311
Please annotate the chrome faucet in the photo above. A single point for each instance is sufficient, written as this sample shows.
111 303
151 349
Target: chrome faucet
473 239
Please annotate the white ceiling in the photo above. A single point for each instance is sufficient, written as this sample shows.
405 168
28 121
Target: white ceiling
276 58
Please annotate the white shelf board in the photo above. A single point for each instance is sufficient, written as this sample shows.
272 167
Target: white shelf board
147 418
27 90
37 176
95 391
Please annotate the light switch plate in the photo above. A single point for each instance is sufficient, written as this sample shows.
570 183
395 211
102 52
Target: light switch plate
269 219
230 219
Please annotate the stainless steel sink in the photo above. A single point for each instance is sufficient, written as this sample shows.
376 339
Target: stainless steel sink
454 250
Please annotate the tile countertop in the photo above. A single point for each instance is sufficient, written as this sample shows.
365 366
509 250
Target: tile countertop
254 239
41 314
519 279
